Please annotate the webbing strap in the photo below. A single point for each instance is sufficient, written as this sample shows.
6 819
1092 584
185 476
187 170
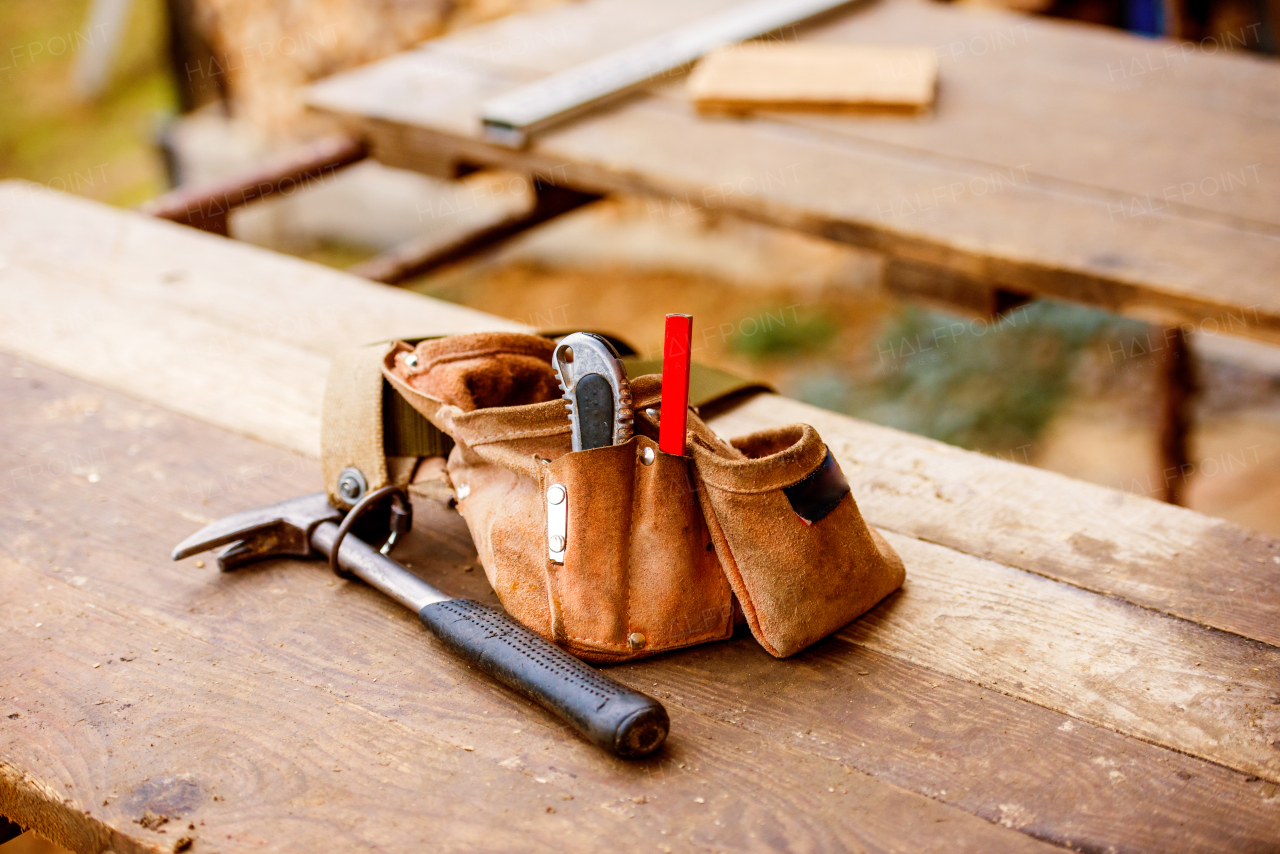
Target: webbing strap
351 419
707 385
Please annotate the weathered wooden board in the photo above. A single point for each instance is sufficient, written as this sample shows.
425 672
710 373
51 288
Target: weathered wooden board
1165 680
134 303
1014 763
1027 174
97 488
370 667
1020 91
1213 77
1158 556
745 78
258 367
279 709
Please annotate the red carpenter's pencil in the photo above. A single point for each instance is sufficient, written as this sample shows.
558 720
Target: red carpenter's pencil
675 383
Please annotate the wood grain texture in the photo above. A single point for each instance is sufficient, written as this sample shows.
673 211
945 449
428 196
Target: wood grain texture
96 489
1018 89
277 709
1165 680
1028 173
134 303
755 75
1014 763
252 369
124 515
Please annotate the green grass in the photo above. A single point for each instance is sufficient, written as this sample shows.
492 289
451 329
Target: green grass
102 149
787 337
990 388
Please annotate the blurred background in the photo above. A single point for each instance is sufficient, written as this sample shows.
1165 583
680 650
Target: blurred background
122 100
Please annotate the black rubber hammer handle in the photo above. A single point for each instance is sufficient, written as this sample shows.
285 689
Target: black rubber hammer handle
611 715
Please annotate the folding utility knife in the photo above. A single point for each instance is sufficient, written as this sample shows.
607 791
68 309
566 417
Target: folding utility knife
595 385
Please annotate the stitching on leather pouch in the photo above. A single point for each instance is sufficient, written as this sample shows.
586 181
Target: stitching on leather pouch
773 487
472 354
636 474
528 434
601 642
745 601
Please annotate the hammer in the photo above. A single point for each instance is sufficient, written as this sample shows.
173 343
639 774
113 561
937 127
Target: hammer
624 722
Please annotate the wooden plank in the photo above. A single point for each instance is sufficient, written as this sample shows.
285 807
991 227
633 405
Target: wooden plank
1019 90
1210 77
132 303
1012 762
321 769
803 75
1165 680
1059 98
1169 271
907 725
1043 519
269 339
218 702
1076 235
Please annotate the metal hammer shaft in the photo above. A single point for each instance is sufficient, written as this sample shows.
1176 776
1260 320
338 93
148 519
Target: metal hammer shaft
376 569
611 715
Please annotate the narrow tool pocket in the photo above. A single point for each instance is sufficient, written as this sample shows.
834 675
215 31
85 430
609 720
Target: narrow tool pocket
795 548
633 571
638 573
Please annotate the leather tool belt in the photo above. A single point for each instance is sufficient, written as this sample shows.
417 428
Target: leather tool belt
655 552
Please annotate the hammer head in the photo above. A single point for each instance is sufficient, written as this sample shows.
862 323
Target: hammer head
278 530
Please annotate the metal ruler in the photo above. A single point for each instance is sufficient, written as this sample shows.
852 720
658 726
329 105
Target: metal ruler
511 118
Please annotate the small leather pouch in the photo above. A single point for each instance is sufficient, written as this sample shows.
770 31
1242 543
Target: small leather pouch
623 551
798 554
639 574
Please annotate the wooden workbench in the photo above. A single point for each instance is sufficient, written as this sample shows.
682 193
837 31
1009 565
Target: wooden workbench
1067 666
1060 159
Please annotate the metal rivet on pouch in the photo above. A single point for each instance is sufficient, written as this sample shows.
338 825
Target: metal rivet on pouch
411 360
555 495
637 640
647 456
352 485
652 413
557 543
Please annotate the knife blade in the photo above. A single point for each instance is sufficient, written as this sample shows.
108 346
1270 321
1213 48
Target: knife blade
596 392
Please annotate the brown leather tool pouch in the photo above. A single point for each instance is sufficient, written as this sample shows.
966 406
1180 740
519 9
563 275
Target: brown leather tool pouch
655 547
800 557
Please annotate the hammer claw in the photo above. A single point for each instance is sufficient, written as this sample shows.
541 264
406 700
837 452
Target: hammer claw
279 529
